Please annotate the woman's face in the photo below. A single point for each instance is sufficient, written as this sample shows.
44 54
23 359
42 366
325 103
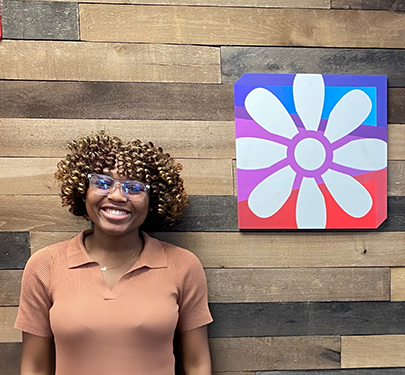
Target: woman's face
114 214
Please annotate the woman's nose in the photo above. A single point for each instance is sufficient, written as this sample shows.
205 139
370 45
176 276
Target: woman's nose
116 194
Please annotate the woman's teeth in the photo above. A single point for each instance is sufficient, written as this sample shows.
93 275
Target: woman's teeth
115 212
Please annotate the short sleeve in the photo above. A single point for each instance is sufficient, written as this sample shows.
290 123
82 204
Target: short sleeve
35 300
193 298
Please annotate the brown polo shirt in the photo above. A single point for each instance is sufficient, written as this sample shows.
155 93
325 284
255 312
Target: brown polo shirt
128 330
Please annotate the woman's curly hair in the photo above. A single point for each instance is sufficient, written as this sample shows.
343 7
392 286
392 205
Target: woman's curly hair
136 160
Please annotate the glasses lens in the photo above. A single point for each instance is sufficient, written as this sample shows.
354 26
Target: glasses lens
101 184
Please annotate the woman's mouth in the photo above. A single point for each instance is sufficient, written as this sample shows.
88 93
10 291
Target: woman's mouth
115 211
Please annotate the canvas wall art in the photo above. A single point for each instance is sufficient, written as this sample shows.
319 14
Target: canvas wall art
311 151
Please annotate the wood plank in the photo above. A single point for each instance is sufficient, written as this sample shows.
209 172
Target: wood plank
116 100
316 4
10 358
10 285
28 176
396 111
238 60
40 20
396 141
396 178
76 61
268 353
278 250
241 26
373 351
302 284
208 213
380 371
398 284
306 319
14 250
393 5
7 318
49 137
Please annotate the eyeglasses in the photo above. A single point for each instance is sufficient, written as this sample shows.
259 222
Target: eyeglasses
105 185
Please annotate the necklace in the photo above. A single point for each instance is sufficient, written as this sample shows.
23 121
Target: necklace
105 269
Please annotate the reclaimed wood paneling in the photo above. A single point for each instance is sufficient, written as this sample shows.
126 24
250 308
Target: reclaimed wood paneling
238 60
7 318
39 20
241 26
302 284
49 137
306 319
136 101
380 371
28 176
119 100
394 5
77 61
396 178
373 351
10 284
267 353
398 284
14 250
10 358
278 250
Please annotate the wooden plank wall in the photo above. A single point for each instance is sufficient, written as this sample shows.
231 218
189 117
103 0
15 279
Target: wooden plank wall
283 302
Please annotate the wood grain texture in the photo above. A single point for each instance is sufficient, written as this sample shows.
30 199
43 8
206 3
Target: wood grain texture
278 250
241 26
316 4
268 353
7 318
380 371
288 285
396 178
29 176
306 319
49 137
396 109
14 250
394 5
10 285
116 100
373 351
238 60
10 358
76 61
40 20
398 284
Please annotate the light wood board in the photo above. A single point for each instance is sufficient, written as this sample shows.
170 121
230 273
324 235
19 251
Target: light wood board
398 284
373 351
7 331
241 26
250 250
78 61
10 285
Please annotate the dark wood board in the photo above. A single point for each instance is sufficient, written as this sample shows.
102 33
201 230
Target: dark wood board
219 213
10 358
138 101
238 60
14 250
371 371
307 319
40 20
394 5
112 100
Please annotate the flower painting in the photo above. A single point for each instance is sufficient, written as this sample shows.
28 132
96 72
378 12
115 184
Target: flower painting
311 151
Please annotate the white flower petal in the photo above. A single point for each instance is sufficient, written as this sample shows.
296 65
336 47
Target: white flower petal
311 208
348 114
348 193
366 154
255 153
265 108
309 95
271 194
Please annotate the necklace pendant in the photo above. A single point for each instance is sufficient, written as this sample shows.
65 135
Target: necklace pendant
103 269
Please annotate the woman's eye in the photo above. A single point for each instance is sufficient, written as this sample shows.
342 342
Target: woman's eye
133 189
102 184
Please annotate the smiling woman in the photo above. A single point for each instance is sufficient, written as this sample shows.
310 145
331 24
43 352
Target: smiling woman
109 300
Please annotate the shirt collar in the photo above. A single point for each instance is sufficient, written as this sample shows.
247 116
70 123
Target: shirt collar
152 256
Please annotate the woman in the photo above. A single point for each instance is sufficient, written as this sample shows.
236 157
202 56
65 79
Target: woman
109 300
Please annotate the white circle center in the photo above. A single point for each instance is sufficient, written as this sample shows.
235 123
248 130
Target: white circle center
310 154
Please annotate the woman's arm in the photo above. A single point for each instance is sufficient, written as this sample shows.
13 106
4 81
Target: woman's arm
196 353
37 355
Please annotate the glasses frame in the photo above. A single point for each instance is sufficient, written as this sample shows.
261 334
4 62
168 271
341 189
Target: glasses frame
130 197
